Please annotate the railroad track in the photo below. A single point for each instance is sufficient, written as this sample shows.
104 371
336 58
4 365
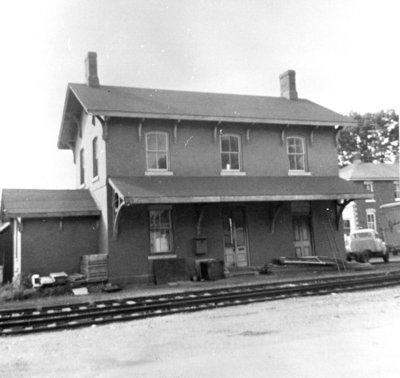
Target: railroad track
52 318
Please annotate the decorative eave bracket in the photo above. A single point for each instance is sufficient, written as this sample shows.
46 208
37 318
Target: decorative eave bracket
71 146
20 226
283 134
216 132
140 129
104 125
315 128
248 132
338 130
176 123
77 123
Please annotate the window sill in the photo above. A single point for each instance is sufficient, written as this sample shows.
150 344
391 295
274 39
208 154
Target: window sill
162 256
95 179
397 199
370 200
82 186
233 173
158 173
299 173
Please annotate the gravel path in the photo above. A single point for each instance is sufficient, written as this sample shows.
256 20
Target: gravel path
344 335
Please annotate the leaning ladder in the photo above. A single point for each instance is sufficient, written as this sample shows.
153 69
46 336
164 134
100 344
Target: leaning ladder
330 233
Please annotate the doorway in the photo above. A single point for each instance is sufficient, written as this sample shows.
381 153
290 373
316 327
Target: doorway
235 237
302 236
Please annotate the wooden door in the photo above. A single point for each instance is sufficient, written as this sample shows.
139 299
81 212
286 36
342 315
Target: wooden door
302 236
235 237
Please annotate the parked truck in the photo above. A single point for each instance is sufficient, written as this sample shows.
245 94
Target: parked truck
366 243
390 214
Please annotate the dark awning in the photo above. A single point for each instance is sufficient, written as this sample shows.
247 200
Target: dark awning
172 189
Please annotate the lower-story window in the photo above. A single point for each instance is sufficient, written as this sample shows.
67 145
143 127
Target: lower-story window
371 220
160 230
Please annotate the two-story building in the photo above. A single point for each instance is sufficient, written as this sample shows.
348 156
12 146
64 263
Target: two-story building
188 175
382 181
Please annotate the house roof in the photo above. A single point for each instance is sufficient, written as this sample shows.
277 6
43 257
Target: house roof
32 203
170 189
370 171
113 101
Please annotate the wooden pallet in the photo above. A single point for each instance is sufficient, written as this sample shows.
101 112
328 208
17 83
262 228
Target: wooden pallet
94 267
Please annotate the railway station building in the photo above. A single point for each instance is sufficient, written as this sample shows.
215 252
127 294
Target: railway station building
190 176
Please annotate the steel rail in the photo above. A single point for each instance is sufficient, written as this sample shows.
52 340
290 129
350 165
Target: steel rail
65 317
85 306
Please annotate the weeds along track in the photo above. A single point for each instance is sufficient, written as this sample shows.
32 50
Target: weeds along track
24 321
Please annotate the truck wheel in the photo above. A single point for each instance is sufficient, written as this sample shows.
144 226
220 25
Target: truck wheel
364 257
386 257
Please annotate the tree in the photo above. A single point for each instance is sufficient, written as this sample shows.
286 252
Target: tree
375 138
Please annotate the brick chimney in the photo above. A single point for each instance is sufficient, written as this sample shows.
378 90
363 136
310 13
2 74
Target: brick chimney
288 85
92 80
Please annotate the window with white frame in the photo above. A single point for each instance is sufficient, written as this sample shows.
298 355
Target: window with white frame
397 190
157 154
82 167
160 230
346 226
95 158
369 185
230 152
296 151
371 219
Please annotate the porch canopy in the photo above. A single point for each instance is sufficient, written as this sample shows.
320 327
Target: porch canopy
173 189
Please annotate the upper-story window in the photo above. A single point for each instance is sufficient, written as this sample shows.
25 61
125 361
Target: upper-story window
296 151
369 185
230 153
82 167
95 158
157 154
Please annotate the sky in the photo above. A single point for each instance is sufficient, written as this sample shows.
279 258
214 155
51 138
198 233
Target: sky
345 54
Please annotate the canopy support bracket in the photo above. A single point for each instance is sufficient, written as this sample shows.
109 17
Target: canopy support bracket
199 221
274 213
339 211
118 204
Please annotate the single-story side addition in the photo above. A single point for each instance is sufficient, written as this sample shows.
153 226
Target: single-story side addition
48 231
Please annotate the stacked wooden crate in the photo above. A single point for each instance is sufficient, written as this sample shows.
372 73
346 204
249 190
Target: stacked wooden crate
95 267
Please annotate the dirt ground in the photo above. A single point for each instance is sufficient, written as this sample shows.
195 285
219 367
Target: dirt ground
343 335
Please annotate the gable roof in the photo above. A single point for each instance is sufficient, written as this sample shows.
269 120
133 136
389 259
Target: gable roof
113 101
371 171
170 189
33 203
